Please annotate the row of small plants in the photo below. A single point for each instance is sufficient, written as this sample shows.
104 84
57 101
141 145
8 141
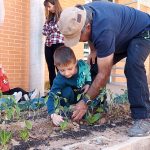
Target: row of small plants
6 136
94 113
11 111
92 116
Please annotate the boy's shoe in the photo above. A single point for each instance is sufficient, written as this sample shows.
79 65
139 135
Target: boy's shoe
34 94
18 96
141 127
26 97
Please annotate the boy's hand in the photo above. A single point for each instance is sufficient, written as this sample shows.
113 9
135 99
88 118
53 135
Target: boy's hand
85 88
57 119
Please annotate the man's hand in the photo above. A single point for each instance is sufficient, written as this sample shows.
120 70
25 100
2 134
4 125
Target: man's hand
57 119
91 57
80 110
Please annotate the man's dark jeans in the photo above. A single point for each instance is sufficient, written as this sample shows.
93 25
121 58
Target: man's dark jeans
137 51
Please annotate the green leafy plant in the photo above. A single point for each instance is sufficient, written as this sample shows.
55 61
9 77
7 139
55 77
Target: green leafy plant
96 108
28 124
122 98
5 137
62 110
9 106
24 133
64 125
93 118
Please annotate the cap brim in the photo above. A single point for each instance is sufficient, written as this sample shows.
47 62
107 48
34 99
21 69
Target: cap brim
72 41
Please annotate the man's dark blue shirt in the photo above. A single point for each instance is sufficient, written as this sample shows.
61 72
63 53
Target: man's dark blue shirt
113 25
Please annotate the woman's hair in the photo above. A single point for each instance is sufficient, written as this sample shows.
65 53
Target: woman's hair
58 10
63 56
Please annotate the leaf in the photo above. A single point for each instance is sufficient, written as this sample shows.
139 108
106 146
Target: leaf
64 125
46 99
17 111
65 100
79 97
94 118
100 110
24 134
57 111
65 109
56 102
10 112
28 124
5 137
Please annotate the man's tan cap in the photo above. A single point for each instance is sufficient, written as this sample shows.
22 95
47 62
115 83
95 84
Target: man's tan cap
70 24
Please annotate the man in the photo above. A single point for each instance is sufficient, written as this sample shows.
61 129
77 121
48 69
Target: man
114 32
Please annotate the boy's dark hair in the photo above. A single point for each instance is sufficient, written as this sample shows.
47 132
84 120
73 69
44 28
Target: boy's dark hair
63 56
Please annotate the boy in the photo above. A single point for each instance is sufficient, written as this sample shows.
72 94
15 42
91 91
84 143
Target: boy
73 76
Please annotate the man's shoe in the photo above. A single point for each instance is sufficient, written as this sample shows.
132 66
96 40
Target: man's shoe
141 127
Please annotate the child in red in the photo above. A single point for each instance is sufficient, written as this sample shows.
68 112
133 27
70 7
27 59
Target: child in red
18 92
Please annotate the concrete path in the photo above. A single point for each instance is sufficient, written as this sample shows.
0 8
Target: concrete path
138 143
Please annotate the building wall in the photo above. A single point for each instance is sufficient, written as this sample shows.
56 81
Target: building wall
14 42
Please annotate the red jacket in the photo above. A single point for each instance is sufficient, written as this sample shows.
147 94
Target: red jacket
4 84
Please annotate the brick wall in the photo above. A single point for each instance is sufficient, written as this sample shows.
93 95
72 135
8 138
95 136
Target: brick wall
14 42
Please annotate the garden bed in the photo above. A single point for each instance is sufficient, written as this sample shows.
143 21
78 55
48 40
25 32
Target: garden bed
43 135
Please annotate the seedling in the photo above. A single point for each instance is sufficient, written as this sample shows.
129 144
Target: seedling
96 108
24 133
5 137
28 124
62 110
121 99
64 125
91 119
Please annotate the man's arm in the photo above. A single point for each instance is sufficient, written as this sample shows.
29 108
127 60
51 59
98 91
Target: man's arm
104 69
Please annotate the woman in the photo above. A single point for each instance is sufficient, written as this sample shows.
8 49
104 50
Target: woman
54 38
